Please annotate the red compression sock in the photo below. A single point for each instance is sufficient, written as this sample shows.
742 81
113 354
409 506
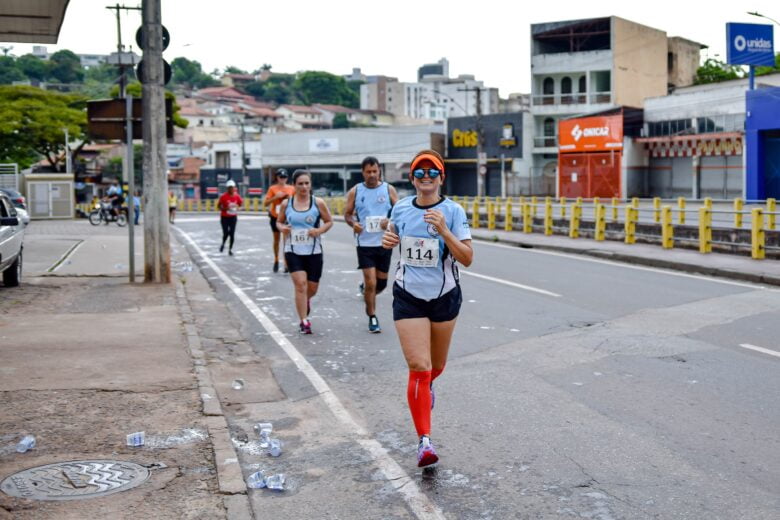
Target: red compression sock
436 372
418 392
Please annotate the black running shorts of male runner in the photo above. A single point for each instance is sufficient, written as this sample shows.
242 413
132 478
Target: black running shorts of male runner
312 264
273 224
377 257
443 308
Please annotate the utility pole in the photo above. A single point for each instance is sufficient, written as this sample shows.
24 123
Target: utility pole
157 253
244 181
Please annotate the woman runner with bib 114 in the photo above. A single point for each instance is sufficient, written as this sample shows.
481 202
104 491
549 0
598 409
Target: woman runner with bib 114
433 235
302 219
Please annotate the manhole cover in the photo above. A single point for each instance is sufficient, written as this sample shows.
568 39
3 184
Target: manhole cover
74 480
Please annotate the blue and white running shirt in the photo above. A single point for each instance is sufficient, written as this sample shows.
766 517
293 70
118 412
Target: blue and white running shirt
371 206
426 269
299 241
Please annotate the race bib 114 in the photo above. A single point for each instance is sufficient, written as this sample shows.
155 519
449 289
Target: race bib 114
420 252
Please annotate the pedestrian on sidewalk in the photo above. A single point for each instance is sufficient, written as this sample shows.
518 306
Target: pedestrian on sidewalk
173 201
229 204
277 193
136 207
367 211
433 234
303 219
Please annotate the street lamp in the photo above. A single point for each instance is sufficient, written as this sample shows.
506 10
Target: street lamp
756 13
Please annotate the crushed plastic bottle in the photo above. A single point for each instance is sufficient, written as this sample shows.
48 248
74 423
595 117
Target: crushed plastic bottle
275 482
238 384
256 480
136 439
263 431
274 447
27 443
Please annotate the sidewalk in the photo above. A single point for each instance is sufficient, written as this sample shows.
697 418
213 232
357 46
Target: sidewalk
87 358
723 265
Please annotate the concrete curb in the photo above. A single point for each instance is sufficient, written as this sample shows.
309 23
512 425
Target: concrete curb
641 260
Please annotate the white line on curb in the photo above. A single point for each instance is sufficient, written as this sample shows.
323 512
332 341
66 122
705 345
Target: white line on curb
511 284
59 263
584 258
760 349
419 503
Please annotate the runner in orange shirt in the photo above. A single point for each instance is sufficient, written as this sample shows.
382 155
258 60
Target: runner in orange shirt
278 192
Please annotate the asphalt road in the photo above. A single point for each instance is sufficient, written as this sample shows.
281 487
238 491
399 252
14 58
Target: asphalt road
576 388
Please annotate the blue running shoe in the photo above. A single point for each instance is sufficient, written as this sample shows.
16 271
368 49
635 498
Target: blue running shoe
426 453
373 325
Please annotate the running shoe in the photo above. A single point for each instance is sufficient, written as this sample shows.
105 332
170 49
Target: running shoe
222 248
426 453
276 267
305 327
373 325
230 252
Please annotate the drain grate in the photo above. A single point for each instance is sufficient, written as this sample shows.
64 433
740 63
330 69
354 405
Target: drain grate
74 480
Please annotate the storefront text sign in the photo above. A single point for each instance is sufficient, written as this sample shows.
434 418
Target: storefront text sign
591 134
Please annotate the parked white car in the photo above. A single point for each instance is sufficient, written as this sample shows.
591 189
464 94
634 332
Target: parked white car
11 242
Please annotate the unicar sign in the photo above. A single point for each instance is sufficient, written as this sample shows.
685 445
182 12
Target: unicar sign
750 44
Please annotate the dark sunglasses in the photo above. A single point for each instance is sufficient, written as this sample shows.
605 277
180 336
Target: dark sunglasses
419 173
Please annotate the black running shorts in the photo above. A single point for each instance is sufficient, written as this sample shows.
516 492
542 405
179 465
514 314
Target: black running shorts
377 257
443 308
312 264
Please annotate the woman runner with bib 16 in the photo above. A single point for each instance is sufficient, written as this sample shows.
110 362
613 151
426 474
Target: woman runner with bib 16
433 235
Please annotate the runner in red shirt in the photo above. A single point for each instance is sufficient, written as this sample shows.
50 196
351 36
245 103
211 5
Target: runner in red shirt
229 204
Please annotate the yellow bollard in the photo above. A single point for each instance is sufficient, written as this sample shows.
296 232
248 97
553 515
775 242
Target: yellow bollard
705 229
681 210
757 235
656 209
601 222
256 205
630 224
667 230
708 202
200 205
534 202
508 215
475 214
576 215
548 216
615 205
596 202
189 205
739 203
771 207
340 206
246 204
563 207
527 218
491 215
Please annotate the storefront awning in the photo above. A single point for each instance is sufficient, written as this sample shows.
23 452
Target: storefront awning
32 21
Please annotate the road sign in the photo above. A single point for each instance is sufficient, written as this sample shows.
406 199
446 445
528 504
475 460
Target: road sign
139 72
139 37
750 44
106 119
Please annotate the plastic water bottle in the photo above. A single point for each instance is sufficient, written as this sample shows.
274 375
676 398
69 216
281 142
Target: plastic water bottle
238 384
27 443
263 427
275 482
275 447
136 439
256 480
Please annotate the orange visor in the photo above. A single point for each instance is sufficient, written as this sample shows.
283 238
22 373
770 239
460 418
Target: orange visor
426 157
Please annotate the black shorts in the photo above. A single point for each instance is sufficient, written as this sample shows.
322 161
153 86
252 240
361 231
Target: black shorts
273 224
377 257
444 308
312 264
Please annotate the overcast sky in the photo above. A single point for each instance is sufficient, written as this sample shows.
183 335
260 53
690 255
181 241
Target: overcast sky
486 38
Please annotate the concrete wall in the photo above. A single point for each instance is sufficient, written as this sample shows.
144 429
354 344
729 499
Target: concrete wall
639 54
686 56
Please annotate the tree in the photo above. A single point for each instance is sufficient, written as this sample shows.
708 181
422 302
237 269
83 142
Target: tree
33 67
136 90
230 69
340 121
715 71
324 87
189 73
255 89
9 72
761 71
32 122
65 67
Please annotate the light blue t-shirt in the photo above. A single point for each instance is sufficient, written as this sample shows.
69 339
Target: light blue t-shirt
299 241
426 269
371 205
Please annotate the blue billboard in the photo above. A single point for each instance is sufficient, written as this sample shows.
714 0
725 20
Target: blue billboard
750 44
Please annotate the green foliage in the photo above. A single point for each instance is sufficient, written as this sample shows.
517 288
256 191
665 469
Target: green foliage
65 67
323 87
9 72
136 90
340 121
761 71
114 167
255 88
33 67
230 69
189 73
715 71
32 122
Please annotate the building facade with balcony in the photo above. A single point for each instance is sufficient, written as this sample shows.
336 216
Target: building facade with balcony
593 65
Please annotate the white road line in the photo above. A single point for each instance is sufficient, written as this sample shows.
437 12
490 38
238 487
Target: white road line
59 263
584 258
760 349
419 503
511 284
